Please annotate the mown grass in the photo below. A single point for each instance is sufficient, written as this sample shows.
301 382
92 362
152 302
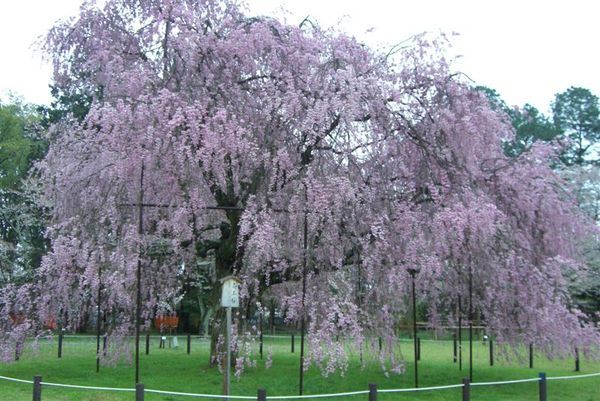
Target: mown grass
172 369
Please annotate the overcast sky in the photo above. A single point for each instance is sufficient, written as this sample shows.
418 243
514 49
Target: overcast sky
528 50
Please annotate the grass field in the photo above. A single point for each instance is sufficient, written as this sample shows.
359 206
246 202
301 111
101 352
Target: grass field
175 370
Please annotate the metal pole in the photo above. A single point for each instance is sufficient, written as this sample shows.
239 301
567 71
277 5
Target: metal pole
303 318
98 317
454 348
60 343
459 332
261 328
412 273
530 355
228 358
138 308
470 323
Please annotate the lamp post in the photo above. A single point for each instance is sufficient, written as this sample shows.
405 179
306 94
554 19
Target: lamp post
413 272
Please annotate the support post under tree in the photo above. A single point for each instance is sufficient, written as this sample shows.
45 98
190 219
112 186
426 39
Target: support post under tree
459 332
98 318
454 348
470 323
138 308
413 273
303 317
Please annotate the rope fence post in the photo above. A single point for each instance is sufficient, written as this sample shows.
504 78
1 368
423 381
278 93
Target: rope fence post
380 344
543 388
418 348
293 343
491 352
577 367
189 343
139 392
261 395
372 392
37 388
466 395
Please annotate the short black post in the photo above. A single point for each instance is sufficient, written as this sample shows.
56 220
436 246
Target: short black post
491 352
577 368
543 389
60 342
261 395
380 344
454 348
147 343
189 343
418 348
372 392
293 341
261 345
37 388
531 356
139 392
466 389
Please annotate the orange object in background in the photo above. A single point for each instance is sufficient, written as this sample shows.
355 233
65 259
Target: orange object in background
50 324
166 322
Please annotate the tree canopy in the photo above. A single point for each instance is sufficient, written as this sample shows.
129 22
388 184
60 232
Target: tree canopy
335 169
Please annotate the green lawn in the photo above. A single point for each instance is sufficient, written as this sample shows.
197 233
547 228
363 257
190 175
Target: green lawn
172 369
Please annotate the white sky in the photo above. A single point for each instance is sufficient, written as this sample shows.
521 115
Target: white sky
528 50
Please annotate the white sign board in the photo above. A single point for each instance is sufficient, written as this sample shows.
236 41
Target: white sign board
230 296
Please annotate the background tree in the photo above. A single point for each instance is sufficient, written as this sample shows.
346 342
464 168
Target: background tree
529 123
577 113
22 142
